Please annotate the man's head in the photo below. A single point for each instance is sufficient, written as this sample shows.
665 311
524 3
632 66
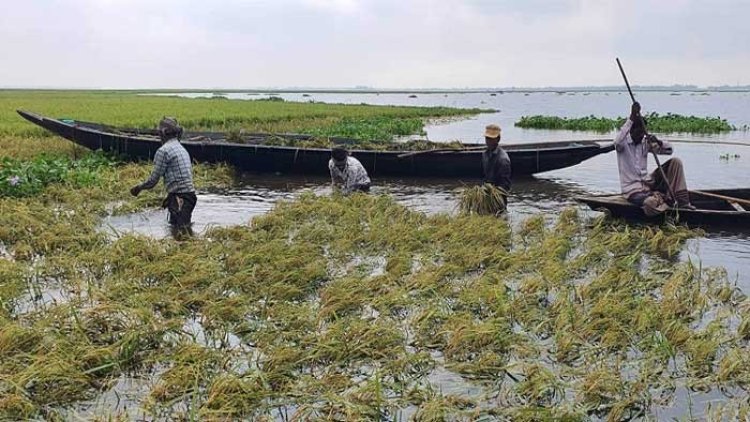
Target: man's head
492 136
169 129
339 156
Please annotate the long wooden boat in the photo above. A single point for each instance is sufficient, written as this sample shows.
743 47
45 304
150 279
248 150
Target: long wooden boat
252 155
711 211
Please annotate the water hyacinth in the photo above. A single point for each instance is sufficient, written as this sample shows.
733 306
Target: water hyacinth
659 123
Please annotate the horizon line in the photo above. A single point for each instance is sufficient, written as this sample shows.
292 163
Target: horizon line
369 89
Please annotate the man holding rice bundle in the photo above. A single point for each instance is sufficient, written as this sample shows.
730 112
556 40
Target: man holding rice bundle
495 161
491 197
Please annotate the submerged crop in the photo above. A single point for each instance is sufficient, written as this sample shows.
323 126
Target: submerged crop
338 308
358 308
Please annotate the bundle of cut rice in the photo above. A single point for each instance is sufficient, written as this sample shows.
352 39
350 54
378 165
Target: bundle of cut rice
486 199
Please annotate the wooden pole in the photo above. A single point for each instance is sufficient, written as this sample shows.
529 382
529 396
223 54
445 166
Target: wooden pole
729 199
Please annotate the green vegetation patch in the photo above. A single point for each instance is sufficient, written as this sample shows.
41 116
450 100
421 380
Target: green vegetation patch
129 109
668 123
29 177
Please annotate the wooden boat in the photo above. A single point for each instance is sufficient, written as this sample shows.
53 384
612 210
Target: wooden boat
712 211
252 155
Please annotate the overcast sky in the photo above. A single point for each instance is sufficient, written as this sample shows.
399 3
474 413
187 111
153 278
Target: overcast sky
378 43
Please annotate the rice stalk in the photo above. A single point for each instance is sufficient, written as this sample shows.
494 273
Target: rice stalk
486 199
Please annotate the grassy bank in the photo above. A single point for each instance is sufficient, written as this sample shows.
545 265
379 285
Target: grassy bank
668 123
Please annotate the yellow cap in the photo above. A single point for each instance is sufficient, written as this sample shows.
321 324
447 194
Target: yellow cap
492 131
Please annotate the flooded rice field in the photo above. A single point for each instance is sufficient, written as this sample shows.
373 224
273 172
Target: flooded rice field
556 315
546 193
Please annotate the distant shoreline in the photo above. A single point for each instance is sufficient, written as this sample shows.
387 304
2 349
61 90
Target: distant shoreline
498 91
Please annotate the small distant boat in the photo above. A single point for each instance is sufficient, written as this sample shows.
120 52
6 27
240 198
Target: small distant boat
412 96
711 210
252 153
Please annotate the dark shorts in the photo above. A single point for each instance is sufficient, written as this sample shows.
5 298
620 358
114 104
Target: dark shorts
180 207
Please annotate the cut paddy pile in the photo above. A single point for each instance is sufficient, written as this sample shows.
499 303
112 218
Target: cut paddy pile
658 123
486 199
346 308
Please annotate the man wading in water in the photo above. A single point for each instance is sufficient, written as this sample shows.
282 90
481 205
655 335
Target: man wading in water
347 173
172 162
638 187
495 161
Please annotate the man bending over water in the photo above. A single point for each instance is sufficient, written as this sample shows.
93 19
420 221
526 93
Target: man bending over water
172 162
648 191
347 173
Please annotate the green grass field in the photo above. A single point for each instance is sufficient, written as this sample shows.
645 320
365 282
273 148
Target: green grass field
376 126
133 110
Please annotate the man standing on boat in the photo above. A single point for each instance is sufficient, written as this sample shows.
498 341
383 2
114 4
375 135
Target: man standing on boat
172 162
495 161
347 173
649 192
